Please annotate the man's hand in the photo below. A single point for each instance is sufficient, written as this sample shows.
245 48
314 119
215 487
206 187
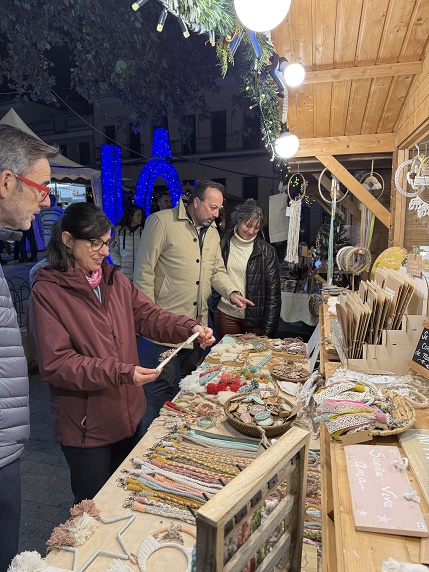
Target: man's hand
240 301
144 375
206 337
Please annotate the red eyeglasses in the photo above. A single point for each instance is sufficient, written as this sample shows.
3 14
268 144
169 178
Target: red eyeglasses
46 190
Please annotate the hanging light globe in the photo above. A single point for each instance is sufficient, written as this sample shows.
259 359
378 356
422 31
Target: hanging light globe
261 15
293 74
286 145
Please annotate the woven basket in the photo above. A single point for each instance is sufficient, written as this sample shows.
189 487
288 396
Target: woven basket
256 431
402 410
272 370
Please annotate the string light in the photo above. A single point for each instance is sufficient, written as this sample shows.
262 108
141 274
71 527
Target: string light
162 19
183 27
111 181
138 4
158 167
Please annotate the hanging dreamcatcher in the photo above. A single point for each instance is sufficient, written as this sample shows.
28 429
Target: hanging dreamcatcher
417 177
292 254
373 182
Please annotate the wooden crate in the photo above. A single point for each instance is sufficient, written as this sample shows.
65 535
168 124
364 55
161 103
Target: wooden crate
220 518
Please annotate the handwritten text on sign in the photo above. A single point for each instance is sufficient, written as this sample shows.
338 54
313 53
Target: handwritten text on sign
377 489
421 353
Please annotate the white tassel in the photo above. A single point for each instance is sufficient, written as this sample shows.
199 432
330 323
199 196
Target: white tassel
83 528
392 565
28 562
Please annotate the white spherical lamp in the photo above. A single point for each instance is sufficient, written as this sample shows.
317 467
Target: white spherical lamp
294 74
286 144
261 15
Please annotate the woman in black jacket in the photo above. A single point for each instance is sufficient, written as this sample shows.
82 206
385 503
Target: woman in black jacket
252 264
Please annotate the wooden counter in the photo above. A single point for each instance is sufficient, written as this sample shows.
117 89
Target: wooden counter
345 549
282 457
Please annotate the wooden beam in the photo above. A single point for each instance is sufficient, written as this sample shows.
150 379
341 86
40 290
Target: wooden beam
346 202
363 72
356 188
398 203
347 145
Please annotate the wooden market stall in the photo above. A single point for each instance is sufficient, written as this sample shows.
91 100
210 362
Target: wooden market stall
365 97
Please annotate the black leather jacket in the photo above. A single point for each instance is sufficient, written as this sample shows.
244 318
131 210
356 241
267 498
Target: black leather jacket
262 285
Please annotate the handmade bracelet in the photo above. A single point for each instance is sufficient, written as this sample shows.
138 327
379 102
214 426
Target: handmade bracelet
205 422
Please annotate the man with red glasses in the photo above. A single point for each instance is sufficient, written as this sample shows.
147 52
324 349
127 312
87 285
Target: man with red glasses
24 174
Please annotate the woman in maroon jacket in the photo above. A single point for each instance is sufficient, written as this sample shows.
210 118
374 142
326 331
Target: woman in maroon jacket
83 316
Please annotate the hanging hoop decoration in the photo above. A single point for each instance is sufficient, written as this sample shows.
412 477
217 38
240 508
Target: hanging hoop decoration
353 259
419 189
304 185
320 189
373 181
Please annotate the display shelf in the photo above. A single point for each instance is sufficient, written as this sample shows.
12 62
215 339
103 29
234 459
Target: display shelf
220 518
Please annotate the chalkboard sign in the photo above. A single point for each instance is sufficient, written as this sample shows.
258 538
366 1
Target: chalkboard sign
420 360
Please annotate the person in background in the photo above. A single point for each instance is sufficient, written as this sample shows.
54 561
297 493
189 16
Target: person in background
48 216
21 246
82 319
164 201
24 175
252 264
127 234
178 261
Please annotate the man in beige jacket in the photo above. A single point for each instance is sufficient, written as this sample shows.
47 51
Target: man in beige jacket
178 262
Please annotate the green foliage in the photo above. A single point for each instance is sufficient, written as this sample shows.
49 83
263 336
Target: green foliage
115 51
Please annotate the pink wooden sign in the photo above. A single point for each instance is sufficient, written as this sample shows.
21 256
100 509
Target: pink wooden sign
378 491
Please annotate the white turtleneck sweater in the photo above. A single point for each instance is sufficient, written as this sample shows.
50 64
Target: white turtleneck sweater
239 254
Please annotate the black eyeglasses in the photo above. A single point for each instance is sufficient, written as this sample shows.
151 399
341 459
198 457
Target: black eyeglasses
97 243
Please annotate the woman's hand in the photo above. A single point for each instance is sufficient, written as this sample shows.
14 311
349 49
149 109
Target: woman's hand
144 375
206 337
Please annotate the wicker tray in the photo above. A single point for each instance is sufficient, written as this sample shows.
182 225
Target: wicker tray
256 431
273 369
402 410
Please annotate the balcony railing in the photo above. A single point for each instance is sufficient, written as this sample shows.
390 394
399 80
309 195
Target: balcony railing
234 142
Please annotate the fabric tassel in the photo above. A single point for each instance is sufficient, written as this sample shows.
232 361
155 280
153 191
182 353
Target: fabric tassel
28 562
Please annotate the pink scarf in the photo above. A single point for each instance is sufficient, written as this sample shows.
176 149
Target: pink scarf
95 279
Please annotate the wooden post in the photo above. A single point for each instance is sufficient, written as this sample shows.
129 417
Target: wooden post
398 203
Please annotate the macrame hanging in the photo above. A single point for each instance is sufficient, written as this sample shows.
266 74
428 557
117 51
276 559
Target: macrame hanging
294 221
335 187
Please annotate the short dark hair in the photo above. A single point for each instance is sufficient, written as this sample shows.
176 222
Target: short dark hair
19 150
81 220
201 187
250 210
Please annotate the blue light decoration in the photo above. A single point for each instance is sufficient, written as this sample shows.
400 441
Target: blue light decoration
158 166
111 181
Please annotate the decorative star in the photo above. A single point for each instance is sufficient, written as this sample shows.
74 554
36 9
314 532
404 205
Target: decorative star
362 513
383 518
125 555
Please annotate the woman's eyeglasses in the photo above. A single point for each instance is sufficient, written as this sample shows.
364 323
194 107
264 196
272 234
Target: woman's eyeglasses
97 243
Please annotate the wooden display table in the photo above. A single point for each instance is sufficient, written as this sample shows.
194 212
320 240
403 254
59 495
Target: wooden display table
219 517
345 549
